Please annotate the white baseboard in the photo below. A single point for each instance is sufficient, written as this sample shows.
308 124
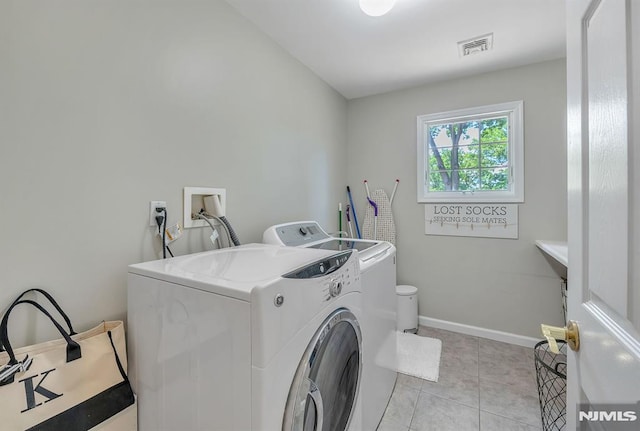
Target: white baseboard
476 331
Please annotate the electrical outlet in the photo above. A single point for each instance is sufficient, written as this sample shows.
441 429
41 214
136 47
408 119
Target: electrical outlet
153 213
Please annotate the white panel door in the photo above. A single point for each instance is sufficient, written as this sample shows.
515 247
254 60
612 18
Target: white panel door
604 221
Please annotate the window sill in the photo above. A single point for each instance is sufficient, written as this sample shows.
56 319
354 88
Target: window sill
471 199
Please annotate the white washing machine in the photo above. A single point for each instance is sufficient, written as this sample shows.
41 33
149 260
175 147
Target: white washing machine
378 269
257 337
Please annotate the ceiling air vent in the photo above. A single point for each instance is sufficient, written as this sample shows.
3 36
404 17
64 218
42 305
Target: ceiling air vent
475 45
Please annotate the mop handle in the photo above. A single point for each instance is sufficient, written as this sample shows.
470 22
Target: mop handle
393 193
349 221
340 219
366 186
355 217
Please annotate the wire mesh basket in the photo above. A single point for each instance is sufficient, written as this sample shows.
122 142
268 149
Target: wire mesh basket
551 375
563 290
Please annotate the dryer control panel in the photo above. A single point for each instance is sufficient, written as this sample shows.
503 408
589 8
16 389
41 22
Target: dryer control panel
294 234
332 286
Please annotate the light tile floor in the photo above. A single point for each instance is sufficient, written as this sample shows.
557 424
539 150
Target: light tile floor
484 385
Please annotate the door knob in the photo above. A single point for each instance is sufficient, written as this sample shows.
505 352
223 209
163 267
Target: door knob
569 333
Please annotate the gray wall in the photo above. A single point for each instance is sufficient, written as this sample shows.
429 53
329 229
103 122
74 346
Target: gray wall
499 284
106 105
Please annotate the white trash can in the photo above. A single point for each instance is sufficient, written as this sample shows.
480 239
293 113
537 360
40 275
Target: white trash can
407 308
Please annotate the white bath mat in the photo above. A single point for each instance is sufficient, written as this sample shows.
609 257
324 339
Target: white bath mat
419 356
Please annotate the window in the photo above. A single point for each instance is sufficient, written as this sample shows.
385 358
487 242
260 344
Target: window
472 155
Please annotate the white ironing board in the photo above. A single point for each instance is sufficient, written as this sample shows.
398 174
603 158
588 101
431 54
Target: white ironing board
386 226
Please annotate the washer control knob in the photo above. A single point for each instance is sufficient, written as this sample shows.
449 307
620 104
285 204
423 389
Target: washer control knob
278 300
303 230
335 288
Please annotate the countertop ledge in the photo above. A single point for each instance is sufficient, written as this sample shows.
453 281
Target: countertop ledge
556 249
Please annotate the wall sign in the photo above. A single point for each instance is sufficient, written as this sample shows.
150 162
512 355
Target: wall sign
477 220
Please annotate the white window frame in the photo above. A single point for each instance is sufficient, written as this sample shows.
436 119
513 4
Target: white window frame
514 110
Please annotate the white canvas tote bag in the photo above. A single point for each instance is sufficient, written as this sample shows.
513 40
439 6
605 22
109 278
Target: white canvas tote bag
78 382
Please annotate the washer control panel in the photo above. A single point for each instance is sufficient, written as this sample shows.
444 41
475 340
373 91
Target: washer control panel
322 267
343 281
335 275
335 288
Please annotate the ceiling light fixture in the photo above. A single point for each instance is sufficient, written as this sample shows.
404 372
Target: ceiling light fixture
376 7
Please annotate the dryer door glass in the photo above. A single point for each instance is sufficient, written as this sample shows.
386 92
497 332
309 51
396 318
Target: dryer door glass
325 389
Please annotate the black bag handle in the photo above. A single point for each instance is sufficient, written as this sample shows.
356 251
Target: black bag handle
118 363
73 348
53 302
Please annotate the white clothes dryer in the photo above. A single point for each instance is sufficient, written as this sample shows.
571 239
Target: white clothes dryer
257 337
379 317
